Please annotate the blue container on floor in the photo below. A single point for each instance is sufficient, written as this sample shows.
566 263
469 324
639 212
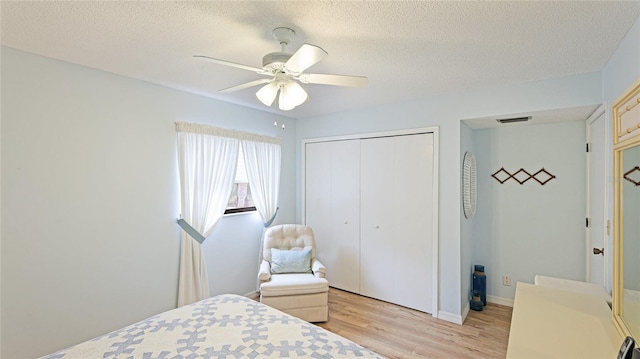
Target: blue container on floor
476 303
480 283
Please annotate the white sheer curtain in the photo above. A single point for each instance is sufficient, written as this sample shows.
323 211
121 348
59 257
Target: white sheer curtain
263 162
207 160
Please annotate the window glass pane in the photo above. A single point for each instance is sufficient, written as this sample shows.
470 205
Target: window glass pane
240 199
241 172
240 196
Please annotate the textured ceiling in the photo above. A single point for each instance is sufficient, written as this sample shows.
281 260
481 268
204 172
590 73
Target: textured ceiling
408 50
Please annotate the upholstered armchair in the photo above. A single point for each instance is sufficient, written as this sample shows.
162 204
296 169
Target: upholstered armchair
291 278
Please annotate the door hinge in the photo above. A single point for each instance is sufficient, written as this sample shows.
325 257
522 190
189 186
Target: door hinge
588 222
588 147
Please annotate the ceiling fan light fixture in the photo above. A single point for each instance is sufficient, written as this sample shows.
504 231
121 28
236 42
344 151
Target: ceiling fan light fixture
291 95
283 104
285 70
267 93
296 93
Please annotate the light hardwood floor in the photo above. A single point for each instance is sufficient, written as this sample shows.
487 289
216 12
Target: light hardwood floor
398 332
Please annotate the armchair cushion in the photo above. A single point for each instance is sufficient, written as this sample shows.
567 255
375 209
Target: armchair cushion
291 261
293 284
288 236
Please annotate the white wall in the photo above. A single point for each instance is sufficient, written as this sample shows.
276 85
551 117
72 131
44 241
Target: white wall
623 68
446 111
529 229
90 198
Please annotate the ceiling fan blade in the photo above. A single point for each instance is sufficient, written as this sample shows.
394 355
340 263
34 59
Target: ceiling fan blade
306 56
245 85
337 80
232 64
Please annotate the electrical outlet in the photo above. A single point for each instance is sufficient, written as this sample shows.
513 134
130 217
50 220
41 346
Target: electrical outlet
506 280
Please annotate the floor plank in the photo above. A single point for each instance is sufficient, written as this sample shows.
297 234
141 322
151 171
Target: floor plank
399 332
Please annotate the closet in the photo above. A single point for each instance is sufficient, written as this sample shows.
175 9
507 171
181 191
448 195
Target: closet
370 200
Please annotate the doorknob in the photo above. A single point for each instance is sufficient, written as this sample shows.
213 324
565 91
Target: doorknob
598 251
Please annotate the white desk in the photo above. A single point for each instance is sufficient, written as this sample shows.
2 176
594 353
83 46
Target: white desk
555 323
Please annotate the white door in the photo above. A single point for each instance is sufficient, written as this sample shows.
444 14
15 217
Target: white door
397 220
377 247
332 201
596 198
413 226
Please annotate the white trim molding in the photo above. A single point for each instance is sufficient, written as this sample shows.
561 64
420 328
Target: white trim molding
252 295
499 300
465 312
450 317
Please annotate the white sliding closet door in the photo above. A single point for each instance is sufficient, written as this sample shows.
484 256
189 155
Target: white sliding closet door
377 251
397 219
332 205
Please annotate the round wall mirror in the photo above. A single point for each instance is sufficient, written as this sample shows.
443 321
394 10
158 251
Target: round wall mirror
469 184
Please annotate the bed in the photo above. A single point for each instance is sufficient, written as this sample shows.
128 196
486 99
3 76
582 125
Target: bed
224 326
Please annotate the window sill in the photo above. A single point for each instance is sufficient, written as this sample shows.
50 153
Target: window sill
233 212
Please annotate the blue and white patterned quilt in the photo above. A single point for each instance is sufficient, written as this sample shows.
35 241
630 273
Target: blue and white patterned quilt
225 326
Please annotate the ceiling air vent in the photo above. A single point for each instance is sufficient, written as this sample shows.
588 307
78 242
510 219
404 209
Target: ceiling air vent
515 119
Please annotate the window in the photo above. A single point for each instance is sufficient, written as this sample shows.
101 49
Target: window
240 200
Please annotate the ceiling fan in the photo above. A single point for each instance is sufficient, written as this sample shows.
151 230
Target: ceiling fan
285 70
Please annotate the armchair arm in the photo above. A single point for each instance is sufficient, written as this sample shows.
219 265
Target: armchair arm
265 271
318 269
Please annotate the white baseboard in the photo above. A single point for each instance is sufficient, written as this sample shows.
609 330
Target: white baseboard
459 319
465 312
252 295
499 300
450 317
